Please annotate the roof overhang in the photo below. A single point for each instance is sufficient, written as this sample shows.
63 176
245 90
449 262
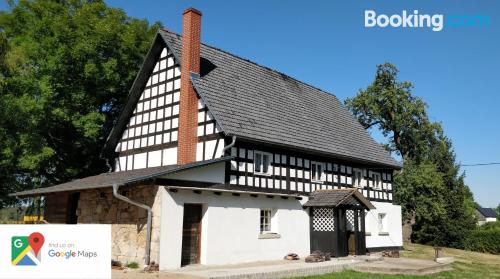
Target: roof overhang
119 178
338 198
234 192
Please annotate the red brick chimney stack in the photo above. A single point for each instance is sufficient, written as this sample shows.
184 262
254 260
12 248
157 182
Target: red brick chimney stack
188 112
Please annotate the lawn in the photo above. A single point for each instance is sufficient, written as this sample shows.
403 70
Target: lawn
467 265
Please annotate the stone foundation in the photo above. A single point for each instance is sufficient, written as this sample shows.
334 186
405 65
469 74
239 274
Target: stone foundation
128 222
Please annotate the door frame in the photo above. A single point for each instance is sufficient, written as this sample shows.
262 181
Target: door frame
198 252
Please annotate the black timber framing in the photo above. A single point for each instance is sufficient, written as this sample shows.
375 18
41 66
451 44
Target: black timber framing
334 167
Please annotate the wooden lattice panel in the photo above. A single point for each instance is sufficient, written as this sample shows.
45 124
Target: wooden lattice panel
350 219
323 220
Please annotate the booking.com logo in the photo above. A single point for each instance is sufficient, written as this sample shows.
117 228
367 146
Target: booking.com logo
435 22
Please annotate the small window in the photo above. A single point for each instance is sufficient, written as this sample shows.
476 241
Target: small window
358 177
262 163
265 220
316 171
382 222
376 180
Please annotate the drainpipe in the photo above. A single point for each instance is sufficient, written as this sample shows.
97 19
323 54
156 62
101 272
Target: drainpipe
228 146
150 213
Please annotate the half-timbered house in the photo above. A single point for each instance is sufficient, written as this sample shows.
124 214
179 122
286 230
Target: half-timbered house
218 160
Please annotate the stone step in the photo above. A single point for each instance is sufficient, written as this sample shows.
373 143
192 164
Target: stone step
276 271
394 269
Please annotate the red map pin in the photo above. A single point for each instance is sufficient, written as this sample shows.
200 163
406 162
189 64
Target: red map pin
36 240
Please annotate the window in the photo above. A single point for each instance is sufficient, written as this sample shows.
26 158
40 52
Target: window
316 171
382 222
265 220
358 177
262 163
376 180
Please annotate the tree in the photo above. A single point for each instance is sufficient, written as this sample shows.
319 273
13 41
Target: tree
388 104
458 199
498 212
421 199
437 205
66 68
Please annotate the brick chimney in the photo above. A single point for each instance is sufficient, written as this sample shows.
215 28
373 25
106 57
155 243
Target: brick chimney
188 112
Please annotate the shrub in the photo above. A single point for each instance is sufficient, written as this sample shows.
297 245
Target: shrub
132 265
485 240
491 226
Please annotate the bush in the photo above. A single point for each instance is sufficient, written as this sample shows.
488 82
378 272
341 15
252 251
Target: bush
132 265
485 240
491 226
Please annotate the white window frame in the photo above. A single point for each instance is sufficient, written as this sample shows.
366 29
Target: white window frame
382 222
269 166
321 174
268 221
357 181
376 180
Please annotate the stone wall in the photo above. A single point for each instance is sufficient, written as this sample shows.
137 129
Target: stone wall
128 222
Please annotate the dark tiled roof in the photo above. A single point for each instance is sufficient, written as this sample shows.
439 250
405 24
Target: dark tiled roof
487 212
257 103
109 178
337 197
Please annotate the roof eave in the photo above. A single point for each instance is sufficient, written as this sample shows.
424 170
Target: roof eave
144 178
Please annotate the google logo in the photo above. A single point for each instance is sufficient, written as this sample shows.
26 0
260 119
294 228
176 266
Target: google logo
62 254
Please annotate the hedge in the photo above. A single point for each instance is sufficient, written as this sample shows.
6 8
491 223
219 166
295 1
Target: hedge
484 240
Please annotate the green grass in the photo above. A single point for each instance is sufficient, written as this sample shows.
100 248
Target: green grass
467 265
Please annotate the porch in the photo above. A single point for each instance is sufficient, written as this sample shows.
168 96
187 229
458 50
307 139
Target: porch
337 221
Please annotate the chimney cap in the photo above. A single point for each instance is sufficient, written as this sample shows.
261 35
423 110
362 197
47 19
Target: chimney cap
191 9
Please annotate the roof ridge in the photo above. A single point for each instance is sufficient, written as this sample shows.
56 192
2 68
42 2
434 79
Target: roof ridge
257 64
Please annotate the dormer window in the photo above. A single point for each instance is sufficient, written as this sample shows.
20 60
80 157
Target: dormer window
316 171
262 163
358 177
376 180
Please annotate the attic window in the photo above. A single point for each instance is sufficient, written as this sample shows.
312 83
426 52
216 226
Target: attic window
262 163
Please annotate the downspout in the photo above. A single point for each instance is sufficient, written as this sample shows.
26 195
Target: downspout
148 226
228 146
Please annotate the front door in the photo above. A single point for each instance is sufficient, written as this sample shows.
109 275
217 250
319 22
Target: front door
72 206
191 234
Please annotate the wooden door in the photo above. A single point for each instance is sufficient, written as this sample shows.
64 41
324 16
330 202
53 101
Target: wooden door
191 234
351 242
72 206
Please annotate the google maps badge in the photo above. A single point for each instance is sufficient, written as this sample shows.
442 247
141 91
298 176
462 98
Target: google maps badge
26 249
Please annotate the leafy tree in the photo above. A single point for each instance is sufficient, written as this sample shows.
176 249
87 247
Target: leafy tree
436 203
387 104
66 68
498 212
458 199
421 199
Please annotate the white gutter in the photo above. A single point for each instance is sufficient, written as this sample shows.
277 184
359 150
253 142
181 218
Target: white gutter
150 214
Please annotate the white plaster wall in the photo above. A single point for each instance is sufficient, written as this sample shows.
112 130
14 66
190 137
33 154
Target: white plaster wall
230 228
210 173
394 225
486 220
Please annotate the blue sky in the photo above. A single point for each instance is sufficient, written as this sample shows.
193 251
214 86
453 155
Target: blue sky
324 43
